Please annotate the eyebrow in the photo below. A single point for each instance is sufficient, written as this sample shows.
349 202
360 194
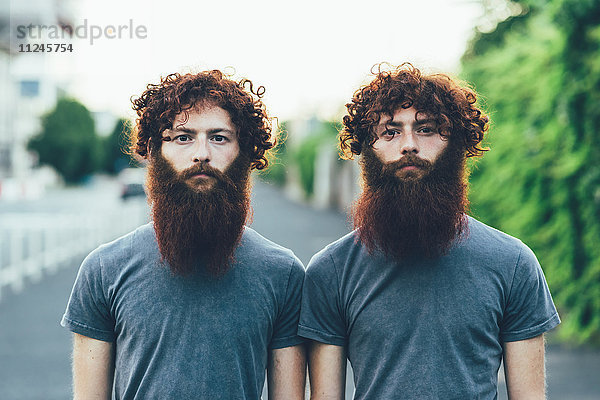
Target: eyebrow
397 124
193 131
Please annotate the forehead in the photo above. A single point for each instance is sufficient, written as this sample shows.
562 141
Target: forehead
404 116
203 116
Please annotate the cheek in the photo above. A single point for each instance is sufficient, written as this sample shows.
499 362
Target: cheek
166 152
228 155
234 151
437 147
384 151
174 157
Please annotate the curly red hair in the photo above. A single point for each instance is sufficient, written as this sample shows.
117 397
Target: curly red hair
158 106
452 105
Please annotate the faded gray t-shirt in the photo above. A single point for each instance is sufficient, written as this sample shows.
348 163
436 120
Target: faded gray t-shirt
431 329
187 337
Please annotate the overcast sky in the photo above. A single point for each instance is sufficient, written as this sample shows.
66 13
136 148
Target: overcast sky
310 55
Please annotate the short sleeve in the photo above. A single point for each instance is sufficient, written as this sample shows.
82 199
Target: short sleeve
285 331
530 310
321 318
88 311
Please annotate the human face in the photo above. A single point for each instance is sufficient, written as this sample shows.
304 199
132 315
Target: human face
403 135
207 137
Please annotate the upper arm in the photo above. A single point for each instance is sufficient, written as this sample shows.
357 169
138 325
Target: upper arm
524 368
286 373
93 368
327 371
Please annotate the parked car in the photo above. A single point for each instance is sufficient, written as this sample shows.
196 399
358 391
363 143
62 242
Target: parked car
132 182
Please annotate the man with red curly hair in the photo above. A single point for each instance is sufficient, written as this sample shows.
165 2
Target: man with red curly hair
424 301
195 304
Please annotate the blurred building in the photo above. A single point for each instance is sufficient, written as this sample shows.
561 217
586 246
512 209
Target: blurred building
30 83
335 181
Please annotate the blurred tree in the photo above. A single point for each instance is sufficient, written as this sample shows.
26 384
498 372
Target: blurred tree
539 73
276 170
116 153
68 141
305 155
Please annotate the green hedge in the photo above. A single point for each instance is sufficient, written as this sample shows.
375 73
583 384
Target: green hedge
540 182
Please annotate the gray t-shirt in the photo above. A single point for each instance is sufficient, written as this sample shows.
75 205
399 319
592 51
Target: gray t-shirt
427 329
187 337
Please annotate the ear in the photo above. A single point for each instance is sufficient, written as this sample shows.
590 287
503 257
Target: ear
148 149
355 147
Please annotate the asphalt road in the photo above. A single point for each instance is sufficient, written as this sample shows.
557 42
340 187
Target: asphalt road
34 348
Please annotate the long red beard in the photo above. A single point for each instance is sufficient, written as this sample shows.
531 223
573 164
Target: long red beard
405 214
198 229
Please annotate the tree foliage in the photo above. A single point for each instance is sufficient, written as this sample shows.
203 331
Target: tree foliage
116 153
540 81
68 141
276 171
305 155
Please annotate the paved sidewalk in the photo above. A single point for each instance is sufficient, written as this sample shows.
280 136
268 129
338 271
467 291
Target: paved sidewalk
34 348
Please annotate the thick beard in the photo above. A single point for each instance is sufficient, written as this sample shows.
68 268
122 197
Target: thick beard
198 229
407 214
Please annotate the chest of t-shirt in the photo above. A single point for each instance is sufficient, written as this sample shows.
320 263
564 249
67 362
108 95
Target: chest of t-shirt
423 311
219 313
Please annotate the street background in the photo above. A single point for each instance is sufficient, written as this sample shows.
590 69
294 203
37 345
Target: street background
35 349
69 70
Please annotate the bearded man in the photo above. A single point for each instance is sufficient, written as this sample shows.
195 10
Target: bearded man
423 300
194 304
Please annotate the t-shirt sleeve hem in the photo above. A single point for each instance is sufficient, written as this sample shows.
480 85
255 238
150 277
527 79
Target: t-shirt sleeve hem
286 342
85 330
319 336
533 331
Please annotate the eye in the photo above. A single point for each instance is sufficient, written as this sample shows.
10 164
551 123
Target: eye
183 138
389 134
219 139
426 130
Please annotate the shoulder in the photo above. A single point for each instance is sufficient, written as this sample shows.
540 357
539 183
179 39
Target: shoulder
256 245
257 250
335 255
142 236
136 244
494 244
494 238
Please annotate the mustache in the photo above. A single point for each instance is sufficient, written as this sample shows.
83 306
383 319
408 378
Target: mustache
409 160
202 168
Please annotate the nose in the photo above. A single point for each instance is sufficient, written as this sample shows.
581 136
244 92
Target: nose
408 144
201 151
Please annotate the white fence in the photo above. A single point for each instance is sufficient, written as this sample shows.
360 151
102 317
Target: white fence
32 244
